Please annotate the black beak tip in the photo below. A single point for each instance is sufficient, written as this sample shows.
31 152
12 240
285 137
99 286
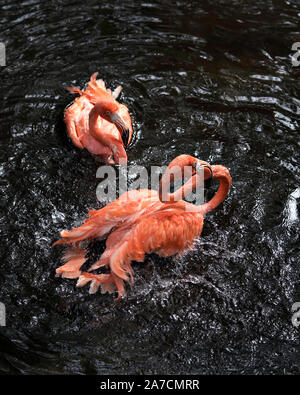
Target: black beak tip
125 137
208 182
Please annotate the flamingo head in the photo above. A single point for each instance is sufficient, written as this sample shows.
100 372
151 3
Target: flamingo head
207 168
110 111
178 168
187 160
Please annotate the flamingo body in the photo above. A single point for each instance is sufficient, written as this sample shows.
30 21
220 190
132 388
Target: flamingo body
137 223
78 120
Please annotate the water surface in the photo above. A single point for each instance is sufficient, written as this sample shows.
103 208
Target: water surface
212 79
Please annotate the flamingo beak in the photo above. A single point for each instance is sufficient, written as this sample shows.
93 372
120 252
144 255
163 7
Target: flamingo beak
120 123
208 182
198 166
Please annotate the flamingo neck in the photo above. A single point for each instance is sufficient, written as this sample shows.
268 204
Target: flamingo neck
222 174
98 111
116 146
94 128
93 118
193 183
174 171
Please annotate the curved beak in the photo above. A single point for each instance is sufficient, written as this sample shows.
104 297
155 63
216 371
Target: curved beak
209 180
120 124
198 165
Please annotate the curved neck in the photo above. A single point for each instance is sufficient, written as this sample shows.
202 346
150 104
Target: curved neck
181 167
94 126
116 146
99 111
222 174
93 116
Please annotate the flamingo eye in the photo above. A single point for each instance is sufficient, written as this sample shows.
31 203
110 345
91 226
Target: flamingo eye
107 112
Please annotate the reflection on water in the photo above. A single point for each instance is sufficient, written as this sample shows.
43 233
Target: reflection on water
210 79
292 214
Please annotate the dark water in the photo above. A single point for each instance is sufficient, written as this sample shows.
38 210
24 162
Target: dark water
210 79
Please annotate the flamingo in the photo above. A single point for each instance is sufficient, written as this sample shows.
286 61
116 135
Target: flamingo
97 122
141 222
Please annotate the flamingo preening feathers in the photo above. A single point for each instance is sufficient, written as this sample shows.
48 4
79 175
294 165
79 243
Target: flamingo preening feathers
138 223
97 122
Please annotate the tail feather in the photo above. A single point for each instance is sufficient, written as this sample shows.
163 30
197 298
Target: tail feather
120 262
73 89
95 90
108 283
103 261
76 235
116 93
116 257
95 227
74 258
